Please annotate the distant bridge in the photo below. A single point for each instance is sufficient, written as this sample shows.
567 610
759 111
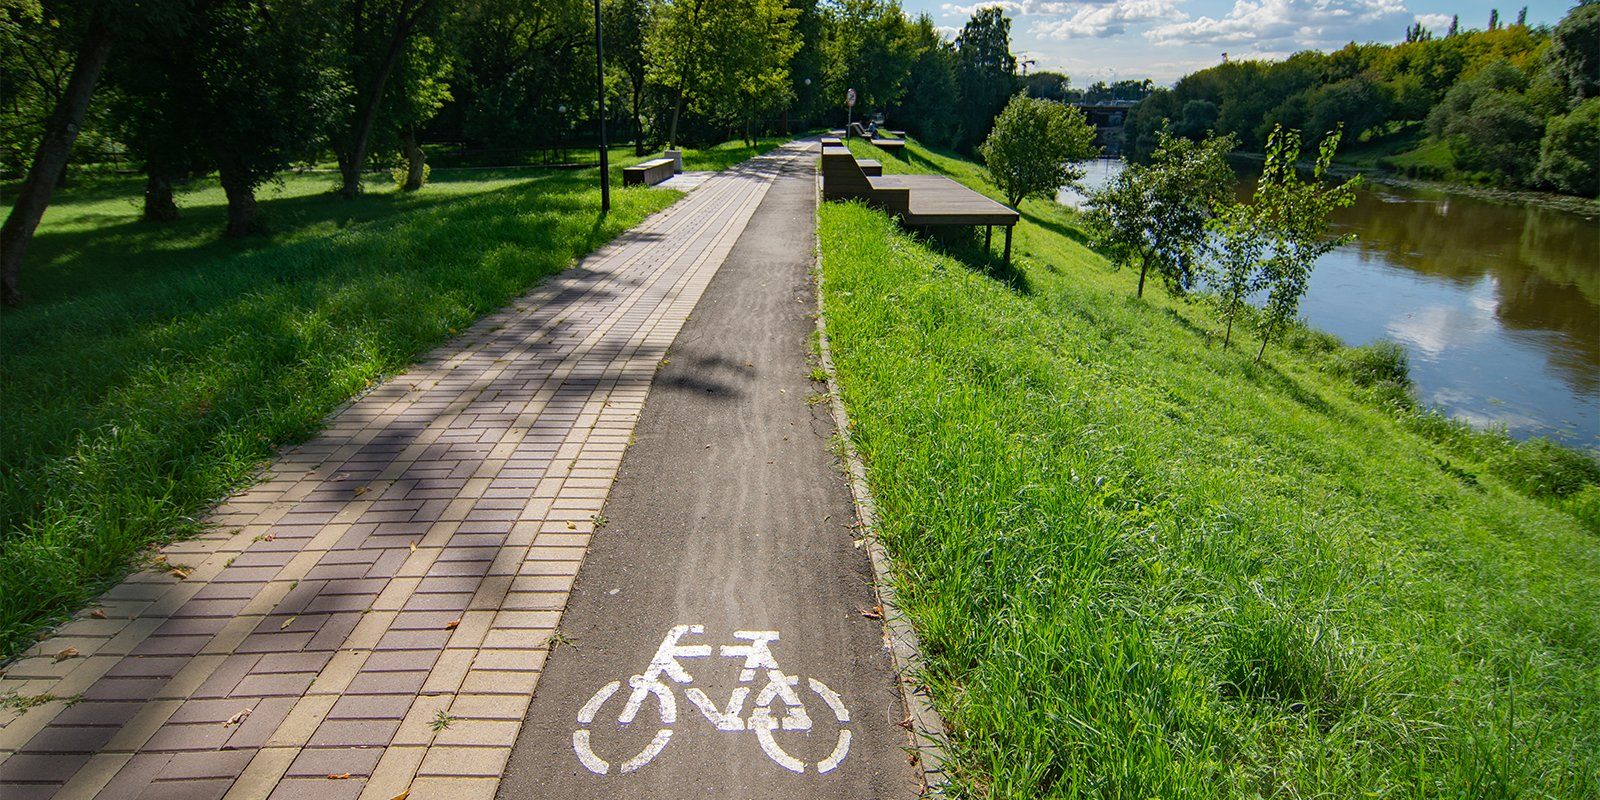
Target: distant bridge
1108 118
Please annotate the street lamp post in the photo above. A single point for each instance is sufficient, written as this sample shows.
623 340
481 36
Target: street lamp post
600 94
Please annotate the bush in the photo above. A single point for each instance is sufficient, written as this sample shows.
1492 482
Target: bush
1571 149
1545 469
1376 363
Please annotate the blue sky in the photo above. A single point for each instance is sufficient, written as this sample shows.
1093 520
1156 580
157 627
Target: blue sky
1165 39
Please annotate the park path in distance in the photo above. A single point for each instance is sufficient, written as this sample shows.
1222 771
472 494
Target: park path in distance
724 603
374 615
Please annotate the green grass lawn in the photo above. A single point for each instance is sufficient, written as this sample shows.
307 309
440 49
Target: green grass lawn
155 368
1142 566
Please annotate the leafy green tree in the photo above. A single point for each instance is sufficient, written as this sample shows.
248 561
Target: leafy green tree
522 70
626 23
267 91
677 53
1199 118
379 34
928 107
749 73
1574 54
986 72
869 48
1238 245
1295 213
151 78
1047 85
1036 148
418 90
1569 157
1156 214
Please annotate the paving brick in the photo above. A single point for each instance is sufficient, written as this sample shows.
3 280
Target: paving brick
324 761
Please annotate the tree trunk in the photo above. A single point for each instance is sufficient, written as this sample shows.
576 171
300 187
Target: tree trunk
1143 265
350 165
416 160
244 216
50 160
158 203
638 126
672 132
1266 336
1233 308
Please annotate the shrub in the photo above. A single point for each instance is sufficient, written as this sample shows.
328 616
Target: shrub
1376 363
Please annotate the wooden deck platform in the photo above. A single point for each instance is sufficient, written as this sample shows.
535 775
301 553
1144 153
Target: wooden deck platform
918 200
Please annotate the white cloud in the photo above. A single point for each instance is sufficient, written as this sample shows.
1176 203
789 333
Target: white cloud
1108 19
1298 23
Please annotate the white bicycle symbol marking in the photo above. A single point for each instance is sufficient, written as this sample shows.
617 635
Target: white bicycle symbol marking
762 721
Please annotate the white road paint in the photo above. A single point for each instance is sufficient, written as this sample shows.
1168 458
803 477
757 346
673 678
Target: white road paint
762 720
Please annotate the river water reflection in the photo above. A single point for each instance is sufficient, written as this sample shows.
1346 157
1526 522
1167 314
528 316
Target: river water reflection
1498 305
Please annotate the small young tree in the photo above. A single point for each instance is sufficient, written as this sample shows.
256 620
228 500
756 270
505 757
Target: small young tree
1036 147
1238 245
1156 214
1295 213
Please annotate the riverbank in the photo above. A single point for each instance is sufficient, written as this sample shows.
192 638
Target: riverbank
1142 565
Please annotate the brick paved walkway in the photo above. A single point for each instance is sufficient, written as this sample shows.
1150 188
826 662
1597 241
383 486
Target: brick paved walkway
406 568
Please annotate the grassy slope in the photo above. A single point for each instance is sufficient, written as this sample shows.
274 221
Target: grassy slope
1144 567
155 367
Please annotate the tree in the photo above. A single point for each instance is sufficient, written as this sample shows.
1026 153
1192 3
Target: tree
986 72
1455 24
266 94
626 23
151 77
749 62
1156 214
95 25
1569 157
867 47
1047 85
1522 17
379 34
1494 19
1574 54
1238 244
1035 148
522 69
928 107
1294 212
676 53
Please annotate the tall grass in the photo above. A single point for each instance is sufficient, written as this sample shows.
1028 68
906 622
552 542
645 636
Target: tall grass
1143 566
155 368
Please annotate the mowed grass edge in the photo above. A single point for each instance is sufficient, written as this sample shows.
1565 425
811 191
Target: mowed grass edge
1142 566
156 368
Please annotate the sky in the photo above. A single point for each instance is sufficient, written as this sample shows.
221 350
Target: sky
1164 40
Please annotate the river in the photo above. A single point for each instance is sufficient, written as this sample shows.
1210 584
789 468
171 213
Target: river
1498 305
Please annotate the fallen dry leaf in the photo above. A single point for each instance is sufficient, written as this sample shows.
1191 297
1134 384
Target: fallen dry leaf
905 723
269 537
287 623
402 796
180 574
98 613
339 776
571 527
361 490
238 718
876 612
452 624
413 547
66 653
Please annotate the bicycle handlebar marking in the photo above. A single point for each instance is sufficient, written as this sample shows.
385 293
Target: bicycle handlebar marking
757 655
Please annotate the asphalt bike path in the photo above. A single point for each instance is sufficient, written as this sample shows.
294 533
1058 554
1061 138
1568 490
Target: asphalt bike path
721 638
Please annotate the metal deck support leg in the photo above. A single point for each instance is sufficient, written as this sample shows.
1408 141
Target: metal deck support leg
1009 229
988 236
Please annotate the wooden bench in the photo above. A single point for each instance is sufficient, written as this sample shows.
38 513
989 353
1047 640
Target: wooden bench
920 201
649 173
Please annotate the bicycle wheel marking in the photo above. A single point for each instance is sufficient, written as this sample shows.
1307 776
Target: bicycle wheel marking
778 706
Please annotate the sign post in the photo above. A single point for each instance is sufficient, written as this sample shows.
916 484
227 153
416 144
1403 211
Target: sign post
849 109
